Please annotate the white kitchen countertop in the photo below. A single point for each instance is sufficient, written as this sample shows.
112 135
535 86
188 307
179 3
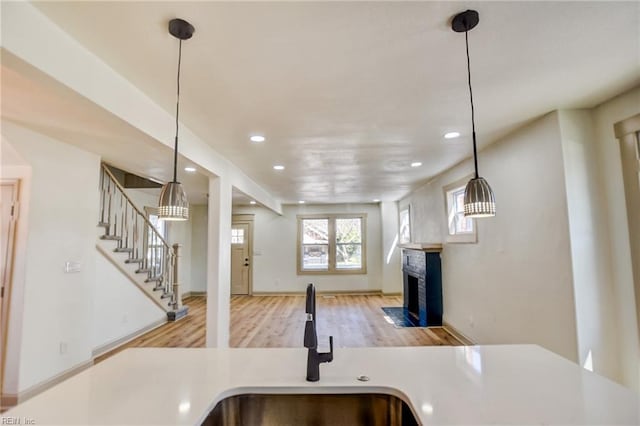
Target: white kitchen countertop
502 384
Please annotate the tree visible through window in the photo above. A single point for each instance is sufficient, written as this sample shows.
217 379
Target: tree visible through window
349 243
315 244
461 229
458 223
331 244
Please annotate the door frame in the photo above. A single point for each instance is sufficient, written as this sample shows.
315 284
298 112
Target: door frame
8 285
246 219
628 134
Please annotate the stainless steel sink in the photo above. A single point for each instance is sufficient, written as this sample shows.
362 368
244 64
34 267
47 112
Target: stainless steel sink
311 409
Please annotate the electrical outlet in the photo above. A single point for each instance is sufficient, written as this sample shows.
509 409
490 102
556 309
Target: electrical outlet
63 348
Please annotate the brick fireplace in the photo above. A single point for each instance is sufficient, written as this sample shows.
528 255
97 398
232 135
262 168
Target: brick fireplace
422 281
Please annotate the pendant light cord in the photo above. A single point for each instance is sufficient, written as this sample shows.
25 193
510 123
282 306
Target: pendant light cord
473 123
175 150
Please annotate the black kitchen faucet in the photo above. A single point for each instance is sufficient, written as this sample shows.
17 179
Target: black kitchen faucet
311 339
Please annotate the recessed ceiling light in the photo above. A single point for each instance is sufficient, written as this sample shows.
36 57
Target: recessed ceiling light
301 202
375 200
257 138
252 202
278 167
190 169
416 164
451 135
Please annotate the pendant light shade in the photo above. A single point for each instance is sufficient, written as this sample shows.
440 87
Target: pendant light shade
479 200
173 204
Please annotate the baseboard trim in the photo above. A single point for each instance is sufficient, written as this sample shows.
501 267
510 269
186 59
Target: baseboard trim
49 383
193 294
457 335
108 347
321 293
269 293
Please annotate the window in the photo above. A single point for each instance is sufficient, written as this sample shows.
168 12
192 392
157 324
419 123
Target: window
237 236
405 226
331 244
154 246
461 229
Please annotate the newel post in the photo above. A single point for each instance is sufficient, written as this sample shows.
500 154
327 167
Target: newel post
177 309
177 300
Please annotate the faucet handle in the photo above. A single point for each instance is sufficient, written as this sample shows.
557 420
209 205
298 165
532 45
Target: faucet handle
330 354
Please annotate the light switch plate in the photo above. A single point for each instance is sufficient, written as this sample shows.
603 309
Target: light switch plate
72 266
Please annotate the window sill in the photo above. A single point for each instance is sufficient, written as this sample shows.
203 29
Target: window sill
334 272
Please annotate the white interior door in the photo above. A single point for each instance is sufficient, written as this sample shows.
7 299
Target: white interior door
8 208
240 258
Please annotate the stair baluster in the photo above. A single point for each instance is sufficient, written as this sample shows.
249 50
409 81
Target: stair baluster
137 236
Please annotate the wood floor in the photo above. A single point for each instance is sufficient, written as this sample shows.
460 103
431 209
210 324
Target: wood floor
278 321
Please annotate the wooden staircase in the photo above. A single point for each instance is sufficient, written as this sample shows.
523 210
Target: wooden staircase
132 244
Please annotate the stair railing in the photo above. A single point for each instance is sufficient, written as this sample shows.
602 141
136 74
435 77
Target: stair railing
137 236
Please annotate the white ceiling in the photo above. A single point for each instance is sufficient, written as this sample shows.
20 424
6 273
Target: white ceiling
36 101
349 94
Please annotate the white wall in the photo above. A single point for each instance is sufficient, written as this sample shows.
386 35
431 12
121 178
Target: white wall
80 311
608 152
515 284
14 167
198 262
391 259
119 307
274 250
62 219
594 303
142 198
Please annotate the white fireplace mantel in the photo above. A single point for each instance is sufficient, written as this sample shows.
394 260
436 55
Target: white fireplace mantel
428 247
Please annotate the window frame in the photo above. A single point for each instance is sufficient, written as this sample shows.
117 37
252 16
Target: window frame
331 269
242 235
148 248
401 212
464 237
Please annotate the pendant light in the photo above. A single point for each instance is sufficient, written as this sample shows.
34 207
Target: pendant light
173 203
478 196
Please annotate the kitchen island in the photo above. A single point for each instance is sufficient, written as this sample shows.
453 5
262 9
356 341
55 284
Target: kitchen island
501 384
